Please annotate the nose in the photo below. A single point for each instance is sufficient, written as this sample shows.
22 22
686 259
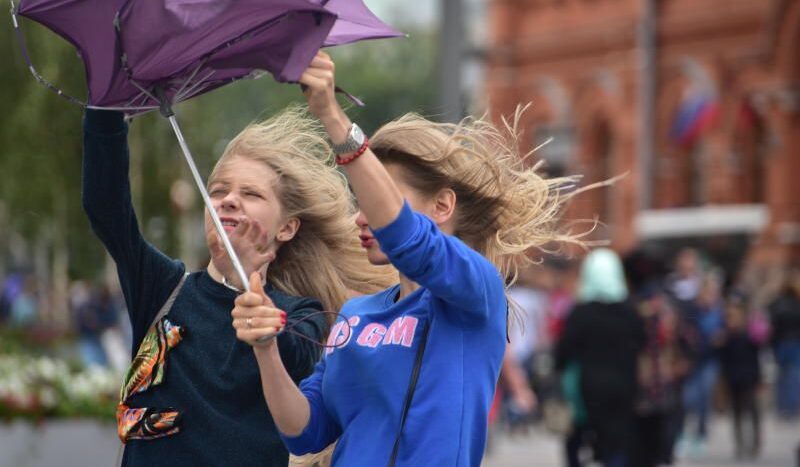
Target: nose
230 202
361 220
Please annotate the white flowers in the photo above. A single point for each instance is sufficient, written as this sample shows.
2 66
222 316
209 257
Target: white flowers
47 387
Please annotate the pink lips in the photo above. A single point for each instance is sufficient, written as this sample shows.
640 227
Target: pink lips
366 241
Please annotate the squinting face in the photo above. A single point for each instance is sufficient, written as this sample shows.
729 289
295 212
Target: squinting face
416 200
243 189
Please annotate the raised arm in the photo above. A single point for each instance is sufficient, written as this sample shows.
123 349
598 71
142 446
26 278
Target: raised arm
146 276
378 196
443 264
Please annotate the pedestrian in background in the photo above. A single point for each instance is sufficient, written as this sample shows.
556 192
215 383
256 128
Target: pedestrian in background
784 314
741 371
602 337
703 321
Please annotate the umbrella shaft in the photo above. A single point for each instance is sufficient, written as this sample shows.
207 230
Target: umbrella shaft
207 200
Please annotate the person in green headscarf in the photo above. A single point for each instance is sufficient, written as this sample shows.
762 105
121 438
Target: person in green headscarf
597 353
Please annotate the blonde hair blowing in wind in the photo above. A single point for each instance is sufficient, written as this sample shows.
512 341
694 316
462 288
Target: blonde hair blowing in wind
324 260
504 207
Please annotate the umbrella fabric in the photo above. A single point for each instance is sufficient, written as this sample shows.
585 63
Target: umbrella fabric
96 44
189 47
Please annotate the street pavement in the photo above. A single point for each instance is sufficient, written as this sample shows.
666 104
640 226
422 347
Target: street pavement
538 448
86 444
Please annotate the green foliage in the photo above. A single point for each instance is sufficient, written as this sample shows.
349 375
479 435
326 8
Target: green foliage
41 133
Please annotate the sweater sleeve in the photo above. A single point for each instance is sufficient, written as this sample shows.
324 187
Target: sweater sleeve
146 275
443 264
299 348
322 429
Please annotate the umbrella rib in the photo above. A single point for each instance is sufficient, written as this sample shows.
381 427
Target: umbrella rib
121 109
192 88
139 87
39 78
130 102
190 78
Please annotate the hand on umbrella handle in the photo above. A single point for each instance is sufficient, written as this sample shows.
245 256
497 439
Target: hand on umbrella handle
255 318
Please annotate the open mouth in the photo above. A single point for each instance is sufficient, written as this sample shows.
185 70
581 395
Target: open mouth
229 223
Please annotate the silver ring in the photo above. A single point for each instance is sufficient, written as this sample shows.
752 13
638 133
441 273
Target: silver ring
249 323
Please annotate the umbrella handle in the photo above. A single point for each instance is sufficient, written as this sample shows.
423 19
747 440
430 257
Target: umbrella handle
207 200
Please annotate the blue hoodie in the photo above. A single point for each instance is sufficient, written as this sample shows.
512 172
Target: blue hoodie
357 391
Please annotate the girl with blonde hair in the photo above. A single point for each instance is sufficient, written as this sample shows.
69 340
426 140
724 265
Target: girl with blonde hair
192 393
411 378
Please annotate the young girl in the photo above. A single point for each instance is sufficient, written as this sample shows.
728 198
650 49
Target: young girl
413 373
192 394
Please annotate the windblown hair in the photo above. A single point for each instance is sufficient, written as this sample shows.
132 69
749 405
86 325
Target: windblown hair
504 207
324 260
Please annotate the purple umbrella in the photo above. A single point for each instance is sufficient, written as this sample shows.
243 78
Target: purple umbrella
142 55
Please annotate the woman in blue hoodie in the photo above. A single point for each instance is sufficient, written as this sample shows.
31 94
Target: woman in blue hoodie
410 373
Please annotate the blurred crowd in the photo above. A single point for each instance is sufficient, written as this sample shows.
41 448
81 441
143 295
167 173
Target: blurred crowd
628 358
97 329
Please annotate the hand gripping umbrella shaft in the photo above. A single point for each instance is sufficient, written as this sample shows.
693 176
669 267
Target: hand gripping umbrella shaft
207 201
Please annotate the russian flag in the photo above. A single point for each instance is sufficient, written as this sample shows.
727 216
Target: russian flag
695 117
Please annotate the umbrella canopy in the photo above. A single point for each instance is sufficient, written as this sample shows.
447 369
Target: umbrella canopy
142 55
185 48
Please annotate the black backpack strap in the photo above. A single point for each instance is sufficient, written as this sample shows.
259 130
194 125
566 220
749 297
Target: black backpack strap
412 385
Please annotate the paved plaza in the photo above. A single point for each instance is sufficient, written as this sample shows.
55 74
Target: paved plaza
83 444
541 449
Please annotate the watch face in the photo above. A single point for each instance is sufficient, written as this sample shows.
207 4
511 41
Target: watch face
357 134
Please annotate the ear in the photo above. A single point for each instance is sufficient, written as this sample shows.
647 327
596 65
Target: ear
444 205
288 230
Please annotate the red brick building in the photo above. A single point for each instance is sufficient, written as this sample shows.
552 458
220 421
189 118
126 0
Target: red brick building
720 103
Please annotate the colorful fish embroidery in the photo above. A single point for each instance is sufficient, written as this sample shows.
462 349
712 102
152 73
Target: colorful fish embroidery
147 370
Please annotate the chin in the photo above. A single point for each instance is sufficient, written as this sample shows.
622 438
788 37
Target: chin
377 258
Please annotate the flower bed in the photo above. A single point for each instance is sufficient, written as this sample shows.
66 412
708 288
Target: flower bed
37 387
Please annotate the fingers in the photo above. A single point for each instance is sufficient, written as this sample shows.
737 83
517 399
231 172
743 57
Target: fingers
255 323
241 228
256 286
243 312
322 61
249 300
254 232
313 82
324 75
254 316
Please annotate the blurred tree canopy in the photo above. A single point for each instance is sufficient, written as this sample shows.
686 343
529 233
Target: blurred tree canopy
40 164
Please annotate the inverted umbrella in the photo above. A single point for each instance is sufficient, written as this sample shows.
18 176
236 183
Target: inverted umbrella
142 55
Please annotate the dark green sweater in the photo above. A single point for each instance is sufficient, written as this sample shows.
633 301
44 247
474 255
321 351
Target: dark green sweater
211 377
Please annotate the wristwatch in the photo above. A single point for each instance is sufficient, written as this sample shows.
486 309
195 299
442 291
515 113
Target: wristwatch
355 139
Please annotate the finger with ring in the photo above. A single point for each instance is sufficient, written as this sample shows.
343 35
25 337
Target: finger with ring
249 323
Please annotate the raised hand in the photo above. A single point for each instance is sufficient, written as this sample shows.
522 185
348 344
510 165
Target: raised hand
250 241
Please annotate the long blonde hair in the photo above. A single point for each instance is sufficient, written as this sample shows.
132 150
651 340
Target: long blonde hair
324 260
504 207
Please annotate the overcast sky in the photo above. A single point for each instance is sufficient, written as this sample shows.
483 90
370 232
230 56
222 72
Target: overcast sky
421 12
